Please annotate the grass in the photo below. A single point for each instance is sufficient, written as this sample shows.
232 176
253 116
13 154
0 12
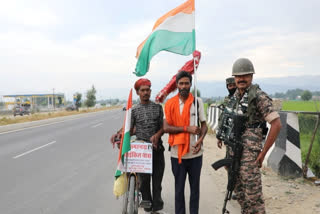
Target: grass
307 124
300 105
43 116
205 105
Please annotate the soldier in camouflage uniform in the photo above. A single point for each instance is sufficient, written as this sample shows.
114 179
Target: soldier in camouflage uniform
251 101
231 87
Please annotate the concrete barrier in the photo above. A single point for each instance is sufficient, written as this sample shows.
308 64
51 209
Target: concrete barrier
213 116
285 156
211 119
217 114
209 113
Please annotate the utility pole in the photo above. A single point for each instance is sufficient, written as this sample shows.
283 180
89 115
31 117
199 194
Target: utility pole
53 101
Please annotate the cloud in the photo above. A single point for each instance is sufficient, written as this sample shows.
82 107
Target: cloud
76 48
281 54
93 58
28 13
274 53
91 52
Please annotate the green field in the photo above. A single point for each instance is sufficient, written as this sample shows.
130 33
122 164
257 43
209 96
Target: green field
205 105
306 125
300 105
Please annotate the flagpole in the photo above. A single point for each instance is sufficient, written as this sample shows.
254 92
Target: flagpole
195 77
195 95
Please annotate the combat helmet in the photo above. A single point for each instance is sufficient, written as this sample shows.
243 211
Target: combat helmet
230 80
242 66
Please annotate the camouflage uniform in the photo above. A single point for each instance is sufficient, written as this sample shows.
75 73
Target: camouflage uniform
257 105
226 100
222 108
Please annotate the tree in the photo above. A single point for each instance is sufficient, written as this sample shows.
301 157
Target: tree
91 97
279 95
294 93
306 95
316 93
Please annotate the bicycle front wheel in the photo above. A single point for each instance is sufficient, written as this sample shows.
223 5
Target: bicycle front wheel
131 196
125 201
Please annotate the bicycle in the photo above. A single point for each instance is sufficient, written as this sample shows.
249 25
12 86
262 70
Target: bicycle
132 199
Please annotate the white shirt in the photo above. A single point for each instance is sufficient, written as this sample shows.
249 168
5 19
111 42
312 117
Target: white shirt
201 117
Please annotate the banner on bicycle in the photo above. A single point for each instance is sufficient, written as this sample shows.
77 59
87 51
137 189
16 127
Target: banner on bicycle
139 158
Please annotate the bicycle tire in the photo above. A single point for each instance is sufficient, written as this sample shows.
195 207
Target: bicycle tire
131 198
136 197
125 202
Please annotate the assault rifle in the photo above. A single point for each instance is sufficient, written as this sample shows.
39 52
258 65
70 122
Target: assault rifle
232 162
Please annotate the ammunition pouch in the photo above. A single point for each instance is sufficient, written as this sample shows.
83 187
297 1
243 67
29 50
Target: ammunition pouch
262 125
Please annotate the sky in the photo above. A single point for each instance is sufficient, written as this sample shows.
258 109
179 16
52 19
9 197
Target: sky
70 45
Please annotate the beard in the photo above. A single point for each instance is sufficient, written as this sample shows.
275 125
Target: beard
184 92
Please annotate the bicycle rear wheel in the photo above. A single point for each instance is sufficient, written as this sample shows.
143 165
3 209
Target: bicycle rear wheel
131 195
125 203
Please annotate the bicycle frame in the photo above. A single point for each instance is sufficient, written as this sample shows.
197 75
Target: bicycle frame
133 198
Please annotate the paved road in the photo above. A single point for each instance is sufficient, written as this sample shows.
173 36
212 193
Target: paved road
63 168
67 167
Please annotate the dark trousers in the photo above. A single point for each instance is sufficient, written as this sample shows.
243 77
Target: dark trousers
192 167
157 175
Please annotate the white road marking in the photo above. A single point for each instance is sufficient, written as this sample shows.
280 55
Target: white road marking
35 149
99 124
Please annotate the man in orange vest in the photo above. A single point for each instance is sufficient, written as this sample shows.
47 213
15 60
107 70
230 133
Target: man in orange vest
186 151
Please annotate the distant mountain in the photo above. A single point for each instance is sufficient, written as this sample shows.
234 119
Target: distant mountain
218 88
269 85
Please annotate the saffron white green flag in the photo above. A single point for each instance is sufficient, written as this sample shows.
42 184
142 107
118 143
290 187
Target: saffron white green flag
173 32
125 141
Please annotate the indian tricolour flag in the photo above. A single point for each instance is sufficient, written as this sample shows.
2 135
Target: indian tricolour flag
173 32
125 141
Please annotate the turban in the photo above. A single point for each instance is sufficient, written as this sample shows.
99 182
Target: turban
141 82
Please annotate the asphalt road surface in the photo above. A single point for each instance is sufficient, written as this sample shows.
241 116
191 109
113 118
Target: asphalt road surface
63 168
67 167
